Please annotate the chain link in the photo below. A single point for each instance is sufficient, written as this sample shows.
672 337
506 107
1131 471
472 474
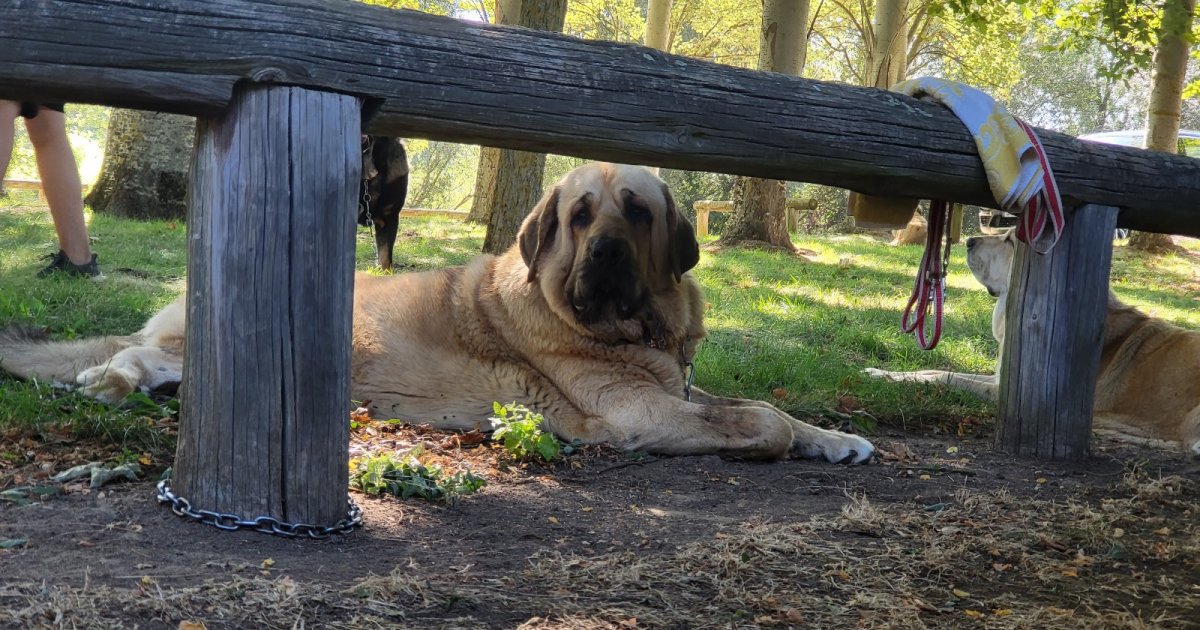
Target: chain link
266 524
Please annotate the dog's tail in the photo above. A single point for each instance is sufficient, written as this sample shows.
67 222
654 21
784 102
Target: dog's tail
28 353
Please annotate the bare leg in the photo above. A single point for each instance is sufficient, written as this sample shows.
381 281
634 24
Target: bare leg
60 181
8 113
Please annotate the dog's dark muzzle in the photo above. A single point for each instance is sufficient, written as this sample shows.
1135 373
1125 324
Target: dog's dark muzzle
608 284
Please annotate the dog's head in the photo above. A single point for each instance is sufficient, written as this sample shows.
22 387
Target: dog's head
603 240
990 259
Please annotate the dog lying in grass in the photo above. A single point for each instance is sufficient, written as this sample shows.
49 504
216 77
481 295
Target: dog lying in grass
1149 380
591 319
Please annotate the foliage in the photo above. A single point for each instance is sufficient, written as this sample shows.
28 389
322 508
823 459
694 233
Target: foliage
404 476
520 431
87 127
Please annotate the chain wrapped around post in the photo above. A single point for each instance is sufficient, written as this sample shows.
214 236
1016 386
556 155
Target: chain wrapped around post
265 524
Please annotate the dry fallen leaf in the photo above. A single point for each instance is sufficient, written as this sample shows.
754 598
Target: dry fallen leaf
959 593
553 520
974 614
192 625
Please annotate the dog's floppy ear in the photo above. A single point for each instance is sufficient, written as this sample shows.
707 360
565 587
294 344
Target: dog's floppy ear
538 229
682 248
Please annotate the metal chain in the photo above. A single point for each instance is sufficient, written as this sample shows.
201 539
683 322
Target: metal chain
265 524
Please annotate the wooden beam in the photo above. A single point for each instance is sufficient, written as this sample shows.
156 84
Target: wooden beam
1054 329
266 379
516 88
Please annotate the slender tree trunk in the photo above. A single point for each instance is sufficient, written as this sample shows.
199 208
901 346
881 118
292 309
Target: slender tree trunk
518 177
146 161
484 198
887 65
658 31
1166 98
759 205
658 24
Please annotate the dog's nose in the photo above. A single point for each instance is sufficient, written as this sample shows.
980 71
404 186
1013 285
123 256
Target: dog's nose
971 242
608 250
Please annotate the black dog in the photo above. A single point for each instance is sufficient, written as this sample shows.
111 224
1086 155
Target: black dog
383 191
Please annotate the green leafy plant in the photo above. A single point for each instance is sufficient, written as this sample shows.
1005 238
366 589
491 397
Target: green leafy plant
405 476
520 430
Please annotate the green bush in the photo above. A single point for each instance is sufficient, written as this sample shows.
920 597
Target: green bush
405 476
520 431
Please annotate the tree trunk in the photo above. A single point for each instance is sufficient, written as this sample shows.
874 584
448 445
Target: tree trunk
483 199
1166 99
146 160
518 187
508 183
759 205
887 61
658 25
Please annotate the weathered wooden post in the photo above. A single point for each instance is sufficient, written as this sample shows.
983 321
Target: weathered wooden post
266 379
1052 339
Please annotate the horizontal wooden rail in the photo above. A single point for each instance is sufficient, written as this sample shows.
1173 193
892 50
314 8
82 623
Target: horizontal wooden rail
704 207
409 213
461 81
32 184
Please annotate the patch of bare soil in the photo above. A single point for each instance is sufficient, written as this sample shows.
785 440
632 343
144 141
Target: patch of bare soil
942 532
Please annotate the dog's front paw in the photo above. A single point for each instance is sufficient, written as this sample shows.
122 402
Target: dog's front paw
106 384
836 448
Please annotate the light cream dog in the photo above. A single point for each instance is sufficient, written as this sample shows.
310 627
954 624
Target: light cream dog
1149 381
589 319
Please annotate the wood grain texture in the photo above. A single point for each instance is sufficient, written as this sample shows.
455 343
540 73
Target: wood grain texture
518 88
1054 330
266 381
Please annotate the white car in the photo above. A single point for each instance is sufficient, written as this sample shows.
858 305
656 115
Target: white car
995 221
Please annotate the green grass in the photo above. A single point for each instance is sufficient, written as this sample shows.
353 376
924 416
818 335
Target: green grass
783 329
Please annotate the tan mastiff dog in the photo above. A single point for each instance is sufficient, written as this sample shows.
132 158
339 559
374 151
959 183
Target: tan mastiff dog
590 319
1149 381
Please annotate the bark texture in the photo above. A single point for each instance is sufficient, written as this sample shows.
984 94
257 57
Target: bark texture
658 25
516 182
1166 99
759 213
146 161
507 12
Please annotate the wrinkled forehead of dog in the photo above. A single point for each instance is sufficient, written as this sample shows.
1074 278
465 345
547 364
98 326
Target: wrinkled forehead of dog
607 184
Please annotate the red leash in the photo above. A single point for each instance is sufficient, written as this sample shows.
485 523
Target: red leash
930 287
1047 204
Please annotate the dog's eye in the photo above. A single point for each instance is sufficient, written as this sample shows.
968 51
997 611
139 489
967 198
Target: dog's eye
637 213
581 218
634 207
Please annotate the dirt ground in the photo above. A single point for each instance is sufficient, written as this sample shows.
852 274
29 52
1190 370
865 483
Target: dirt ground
941 531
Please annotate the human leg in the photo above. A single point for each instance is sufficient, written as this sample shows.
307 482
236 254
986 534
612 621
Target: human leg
60 182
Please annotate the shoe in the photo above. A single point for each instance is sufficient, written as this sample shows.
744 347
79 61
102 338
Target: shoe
60 263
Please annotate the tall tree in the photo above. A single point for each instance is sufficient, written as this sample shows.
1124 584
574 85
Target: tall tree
146 161
518 174
658 24
507 12
1166 96
887 64
759 205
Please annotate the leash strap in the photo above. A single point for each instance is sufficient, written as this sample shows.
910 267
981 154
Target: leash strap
929 290
1045 207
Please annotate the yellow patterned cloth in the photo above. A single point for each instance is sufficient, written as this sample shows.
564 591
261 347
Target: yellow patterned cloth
1013 167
